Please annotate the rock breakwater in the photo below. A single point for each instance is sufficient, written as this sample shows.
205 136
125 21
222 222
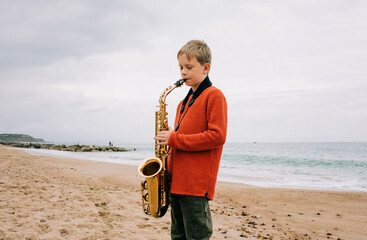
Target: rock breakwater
70 148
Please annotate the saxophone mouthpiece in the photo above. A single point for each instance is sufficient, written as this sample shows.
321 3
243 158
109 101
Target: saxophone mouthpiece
180 82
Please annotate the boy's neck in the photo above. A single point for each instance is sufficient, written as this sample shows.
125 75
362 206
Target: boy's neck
196 87
194 90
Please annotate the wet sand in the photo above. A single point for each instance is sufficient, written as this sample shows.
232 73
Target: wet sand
60 198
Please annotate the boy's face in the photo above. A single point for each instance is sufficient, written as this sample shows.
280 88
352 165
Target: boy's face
192 71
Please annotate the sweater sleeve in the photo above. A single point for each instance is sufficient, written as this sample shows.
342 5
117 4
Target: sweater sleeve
214 136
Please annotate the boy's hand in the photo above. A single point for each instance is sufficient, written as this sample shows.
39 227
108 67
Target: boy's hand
163 137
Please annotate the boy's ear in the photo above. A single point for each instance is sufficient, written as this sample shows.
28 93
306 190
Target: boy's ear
206 68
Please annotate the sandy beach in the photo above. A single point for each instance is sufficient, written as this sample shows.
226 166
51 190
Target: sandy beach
59 198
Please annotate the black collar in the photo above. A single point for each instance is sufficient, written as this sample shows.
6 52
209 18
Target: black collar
203 85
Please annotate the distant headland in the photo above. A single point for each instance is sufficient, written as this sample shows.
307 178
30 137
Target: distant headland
19 138
26 141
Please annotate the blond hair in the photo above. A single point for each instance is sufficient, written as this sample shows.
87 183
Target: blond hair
198 49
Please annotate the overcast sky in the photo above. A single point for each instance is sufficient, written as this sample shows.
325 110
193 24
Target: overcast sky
92 71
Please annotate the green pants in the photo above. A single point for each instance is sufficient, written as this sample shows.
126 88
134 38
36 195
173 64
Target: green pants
191 218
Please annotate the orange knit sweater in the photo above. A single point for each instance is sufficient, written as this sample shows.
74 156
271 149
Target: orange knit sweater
196 147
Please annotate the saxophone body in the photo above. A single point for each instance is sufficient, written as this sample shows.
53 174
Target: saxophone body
155 186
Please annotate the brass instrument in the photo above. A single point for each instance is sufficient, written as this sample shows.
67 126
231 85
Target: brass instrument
155 186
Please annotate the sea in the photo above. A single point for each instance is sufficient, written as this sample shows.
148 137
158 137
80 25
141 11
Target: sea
335 166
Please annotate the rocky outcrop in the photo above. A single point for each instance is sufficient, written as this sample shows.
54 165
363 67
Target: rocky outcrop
71 148
6 137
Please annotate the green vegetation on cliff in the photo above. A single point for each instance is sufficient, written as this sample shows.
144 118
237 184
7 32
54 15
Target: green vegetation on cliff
19 138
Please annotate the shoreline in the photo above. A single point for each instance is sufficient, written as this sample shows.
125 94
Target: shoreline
62 198
63 154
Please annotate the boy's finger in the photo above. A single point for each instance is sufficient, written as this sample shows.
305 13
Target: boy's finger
162 132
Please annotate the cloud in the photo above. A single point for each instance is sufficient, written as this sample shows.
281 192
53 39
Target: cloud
93 71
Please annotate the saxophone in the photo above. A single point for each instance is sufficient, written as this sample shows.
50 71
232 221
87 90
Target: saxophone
155 186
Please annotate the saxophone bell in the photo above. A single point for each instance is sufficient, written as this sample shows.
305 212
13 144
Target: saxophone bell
150 167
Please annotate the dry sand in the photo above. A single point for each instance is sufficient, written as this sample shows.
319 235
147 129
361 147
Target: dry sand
54 198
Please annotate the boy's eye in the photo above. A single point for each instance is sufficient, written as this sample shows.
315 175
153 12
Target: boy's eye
187 67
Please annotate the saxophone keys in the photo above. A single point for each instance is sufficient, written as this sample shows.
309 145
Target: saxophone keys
146 197
144 185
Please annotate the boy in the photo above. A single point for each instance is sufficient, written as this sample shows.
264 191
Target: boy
196 145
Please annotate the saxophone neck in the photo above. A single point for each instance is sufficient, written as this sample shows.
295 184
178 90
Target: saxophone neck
162 99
